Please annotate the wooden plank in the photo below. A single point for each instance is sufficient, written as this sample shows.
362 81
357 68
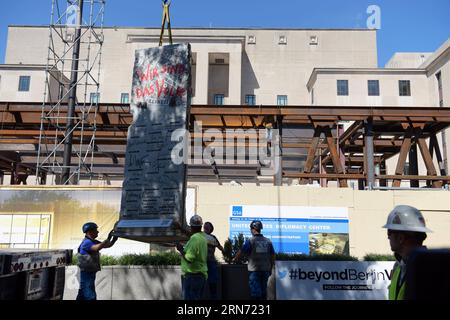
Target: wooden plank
409 177
323 175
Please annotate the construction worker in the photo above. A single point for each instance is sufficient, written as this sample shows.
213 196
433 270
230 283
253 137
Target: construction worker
261 259
194 270
406 232
89 259
213 243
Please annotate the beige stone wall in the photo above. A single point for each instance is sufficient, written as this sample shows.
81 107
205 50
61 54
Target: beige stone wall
368 210
266 68
325 89
9 85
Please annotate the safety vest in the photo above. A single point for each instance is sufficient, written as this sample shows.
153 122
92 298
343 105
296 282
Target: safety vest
259 258
396 292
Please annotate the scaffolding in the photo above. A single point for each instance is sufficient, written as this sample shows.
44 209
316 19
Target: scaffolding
71 96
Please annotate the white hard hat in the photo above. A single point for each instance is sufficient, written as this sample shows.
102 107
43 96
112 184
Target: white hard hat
196 221
406 218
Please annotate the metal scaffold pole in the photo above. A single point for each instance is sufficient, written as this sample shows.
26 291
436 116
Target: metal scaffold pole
71 95
72 99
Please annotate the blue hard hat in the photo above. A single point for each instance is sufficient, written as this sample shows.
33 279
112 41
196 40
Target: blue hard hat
89 226
256 224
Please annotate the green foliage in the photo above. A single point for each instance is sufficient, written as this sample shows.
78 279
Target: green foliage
159 259
314 257
106 260
231 248
378 257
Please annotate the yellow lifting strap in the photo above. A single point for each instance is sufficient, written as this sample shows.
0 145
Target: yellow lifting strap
166 4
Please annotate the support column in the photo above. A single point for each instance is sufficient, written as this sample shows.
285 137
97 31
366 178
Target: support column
413 165
431 170
202 76
334 155
278 156
369 158
235 78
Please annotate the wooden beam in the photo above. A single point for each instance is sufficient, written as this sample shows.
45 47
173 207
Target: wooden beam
404 150
334 155
435 145
312 150
304 175
431 170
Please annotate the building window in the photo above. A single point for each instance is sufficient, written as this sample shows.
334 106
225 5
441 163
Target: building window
95 97
281 100
342 87
404 87
25 230
373 87
441 96
250 99
24 83
218 99
124 98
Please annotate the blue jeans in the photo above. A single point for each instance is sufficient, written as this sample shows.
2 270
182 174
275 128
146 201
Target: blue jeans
257 281
193 286
87 286
212 279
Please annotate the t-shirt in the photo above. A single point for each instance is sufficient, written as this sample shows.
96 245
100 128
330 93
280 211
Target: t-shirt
195 253
212 244
86 245
247 247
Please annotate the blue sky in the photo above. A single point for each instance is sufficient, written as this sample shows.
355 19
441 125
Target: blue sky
406 25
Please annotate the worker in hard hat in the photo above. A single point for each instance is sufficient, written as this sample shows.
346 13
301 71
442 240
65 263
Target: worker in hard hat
89 259
406 232
261 259
194 270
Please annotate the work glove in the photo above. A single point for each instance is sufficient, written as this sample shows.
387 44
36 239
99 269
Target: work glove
180 247
111 236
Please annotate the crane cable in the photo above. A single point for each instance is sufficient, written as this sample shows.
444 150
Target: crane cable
166 17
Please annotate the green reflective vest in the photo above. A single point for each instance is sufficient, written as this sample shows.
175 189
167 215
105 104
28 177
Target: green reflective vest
396 292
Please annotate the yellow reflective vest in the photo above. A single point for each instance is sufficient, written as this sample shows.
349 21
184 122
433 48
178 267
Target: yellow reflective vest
396 292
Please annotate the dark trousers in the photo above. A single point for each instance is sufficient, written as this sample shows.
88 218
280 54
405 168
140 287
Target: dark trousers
212 279
257 281
192 285
87 286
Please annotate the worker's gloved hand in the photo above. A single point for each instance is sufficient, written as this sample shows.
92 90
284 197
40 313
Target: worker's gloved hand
110 235
179 247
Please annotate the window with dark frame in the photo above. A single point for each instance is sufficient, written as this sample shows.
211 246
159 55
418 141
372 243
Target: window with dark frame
94 97
404 87
24 83
373 87
125 98
281 100
219 99
342 87
250 99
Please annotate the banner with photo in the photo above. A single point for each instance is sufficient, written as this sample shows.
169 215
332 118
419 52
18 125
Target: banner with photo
296 229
